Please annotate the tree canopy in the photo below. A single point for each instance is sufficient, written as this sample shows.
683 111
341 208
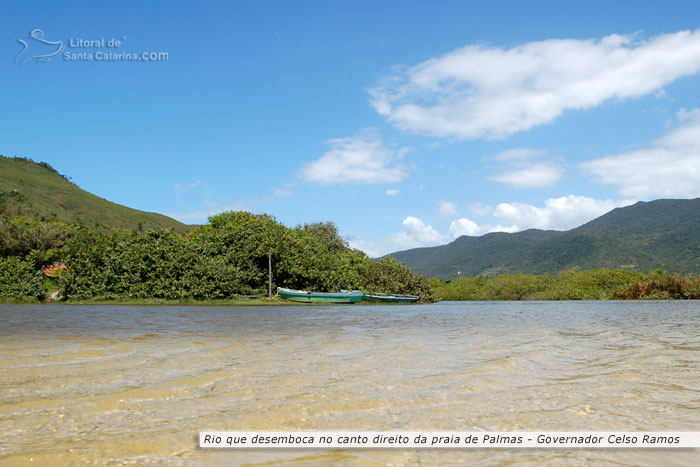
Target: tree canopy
222 259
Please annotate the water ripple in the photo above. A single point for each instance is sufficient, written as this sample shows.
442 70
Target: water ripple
114 384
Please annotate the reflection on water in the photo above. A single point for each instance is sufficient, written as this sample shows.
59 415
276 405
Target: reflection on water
113 384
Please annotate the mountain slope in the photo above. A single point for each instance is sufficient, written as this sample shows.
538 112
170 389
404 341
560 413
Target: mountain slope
668 229
36 190
661 234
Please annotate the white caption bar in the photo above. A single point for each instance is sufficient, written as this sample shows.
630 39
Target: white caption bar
448 439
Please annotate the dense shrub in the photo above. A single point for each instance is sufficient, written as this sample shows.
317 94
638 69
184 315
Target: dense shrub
663 288
19 236
227 257
20 280
596 284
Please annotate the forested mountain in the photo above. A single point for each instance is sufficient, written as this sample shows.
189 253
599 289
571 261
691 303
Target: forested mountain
662 234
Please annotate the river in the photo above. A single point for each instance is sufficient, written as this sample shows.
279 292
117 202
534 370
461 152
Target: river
135 384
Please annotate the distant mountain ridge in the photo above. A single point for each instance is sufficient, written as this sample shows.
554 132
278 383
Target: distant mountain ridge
36 190
662 234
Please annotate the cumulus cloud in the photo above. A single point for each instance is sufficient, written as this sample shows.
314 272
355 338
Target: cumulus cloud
669 168
416 234
562 213
501 228
392 192
358 159
464 226
371 249
445 208
486 92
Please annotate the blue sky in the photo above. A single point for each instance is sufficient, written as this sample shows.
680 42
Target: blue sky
406 124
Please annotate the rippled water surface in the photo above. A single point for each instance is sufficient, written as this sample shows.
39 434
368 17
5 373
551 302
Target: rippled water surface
118 384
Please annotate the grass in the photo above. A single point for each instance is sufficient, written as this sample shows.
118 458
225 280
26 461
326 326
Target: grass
36 190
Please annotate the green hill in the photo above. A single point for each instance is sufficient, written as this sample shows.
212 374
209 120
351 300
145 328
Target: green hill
662 234
667 229
38 191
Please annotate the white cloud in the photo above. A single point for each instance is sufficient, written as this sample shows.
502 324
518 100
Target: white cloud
518 155
533 176
362 158
401 153
282 192
445 208
562 213
480 208
500 228
392 192
415 234
489 92
669 168
370 248
557 214
464 226
524 170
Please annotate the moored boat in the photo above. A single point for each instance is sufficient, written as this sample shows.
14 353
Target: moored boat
353 296
397 298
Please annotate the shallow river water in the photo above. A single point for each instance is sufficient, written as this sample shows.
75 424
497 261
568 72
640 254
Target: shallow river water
136 385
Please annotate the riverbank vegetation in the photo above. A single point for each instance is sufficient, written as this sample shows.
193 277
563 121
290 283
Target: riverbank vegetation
224 259
669 287
597 284
61 243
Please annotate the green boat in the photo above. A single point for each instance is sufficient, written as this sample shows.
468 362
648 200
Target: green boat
396 298
324 297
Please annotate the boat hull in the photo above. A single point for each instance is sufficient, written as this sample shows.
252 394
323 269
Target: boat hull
395 298
322 297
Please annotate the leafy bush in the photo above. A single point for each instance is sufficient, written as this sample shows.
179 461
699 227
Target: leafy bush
19 280
595 284
227 257
19 236
663 288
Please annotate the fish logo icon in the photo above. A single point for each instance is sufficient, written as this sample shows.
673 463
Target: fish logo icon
41 49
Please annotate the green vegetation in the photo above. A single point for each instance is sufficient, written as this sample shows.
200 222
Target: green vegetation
661 289
222 260
114 253
37 191
662 234
119 255
598 284
20 280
